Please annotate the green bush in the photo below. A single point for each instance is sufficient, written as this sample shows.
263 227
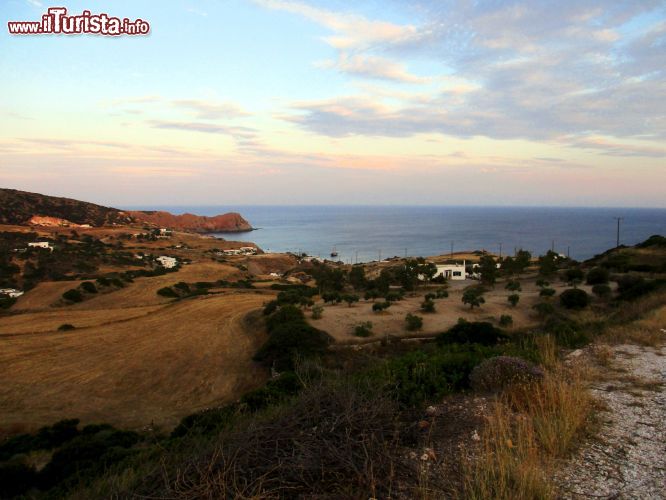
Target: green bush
473 296
167 291
288 341
428 306
414 322
598 276
567 332
16 479
7 302
513 299
495 374
65 327
380 306
364 329
513 286
317 311
350 299
632 287
206 422
271 307
602 291
275 391
88 286
442 294
73 295
505 320
394 296
472 332
285 315
425 376
574 298
101 281
547 292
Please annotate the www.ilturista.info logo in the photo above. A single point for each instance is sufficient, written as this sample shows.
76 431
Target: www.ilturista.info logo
57 22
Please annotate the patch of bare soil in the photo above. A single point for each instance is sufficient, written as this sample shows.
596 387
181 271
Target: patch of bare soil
628 457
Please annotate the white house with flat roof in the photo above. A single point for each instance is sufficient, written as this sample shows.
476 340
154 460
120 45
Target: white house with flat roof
167 262
455 271
11 292
41 244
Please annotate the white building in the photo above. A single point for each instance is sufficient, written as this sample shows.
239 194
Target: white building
167 262
11 292
41 244
451 271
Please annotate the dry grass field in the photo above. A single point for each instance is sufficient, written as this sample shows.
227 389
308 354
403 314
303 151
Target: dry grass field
339 320
155 368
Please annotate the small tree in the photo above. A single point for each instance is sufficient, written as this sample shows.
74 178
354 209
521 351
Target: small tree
488 269
371 295
413 322
73 295
363 329
597 276
574 276
513 286
317 311
428 306
602 291
473 297
547 292
442 294
380 306
574 298
505 320
544 309
350 299
541 283
513 299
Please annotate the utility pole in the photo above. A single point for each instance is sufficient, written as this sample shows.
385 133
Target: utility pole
552 246
568 252
380 255
500 255
618 219
357 256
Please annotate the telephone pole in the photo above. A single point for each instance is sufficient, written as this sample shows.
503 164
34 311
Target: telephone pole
500 254
618 219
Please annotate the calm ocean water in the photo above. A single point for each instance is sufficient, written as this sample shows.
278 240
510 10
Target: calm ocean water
363 232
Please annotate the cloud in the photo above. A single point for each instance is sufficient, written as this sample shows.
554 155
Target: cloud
351 31
619 149
373 67
207 128
209 110
34 3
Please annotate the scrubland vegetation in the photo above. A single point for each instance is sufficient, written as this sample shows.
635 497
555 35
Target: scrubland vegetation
359 423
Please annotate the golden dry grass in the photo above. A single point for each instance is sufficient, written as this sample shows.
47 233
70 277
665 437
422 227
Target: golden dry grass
155 368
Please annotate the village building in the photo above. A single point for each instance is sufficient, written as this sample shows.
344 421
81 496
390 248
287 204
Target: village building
167 262
41 244
453 271
12 293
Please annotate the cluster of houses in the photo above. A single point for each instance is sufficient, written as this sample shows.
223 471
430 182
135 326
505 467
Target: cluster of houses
237 251
167 262
12 293
44 245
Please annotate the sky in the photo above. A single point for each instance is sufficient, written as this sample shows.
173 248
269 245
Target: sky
428 102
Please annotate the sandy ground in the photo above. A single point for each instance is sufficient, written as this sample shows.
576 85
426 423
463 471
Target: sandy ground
339 320
628 459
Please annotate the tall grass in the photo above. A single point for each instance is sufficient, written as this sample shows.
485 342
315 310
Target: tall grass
529 427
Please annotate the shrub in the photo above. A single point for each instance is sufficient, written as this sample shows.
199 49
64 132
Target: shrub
101 281
430 296
602 291
65 327
289 341
413 322
275 391
394 296
350 299
7 302
442 294
317 311
597 276
88 286
474 297
574 298
495 374
167 291
633 287
471 332
285 315
544 309
506 320
371 295
574 275
332 297
567 332
547 292
380 306
73 295
428 306
205 422
542 283
270 308
364 329
513 299
182 286
513 286
16 478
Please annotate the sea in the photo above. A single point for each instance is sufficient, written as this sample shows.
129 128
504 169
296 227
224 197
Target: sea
370 233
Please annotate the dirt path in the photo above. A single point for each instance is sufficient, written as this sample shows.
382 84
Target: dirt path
627 459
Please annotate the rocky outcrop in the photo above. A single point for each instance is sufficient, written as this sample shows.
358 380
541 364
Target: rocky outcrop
227 223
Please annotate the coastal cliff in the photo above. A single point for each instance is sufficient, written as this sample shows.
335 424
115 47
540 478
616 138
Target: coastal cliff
226 223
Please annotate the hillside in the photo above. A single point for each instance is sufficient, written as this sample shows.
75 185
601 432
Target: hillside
19 207
227 223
